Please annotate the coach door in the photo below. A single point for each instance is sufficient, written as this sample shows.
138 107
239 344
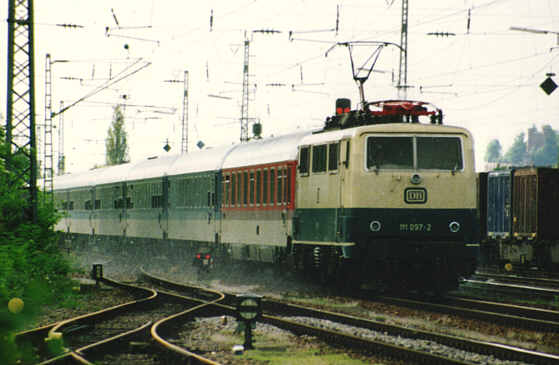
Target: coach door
216 197
343 168
164 212
90 206
125 203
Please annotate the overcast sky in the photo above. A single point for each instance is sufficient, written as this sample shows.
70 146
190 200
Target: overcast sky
483 75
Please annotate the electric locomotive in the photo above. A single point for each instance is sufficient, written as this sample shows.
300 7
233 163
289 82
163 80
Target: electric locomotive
389 200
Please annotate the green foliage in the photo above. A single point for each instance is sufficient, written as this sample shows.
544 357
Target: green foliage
546 155
516 154
31 266
116 143
493 152
541 149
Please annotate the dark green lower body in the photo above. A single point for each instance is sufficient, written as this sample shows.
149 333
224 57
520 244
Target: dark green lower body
405 248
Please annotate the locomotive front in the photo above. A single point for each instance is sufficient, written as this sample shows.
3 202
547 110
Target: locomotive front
403 213
413 204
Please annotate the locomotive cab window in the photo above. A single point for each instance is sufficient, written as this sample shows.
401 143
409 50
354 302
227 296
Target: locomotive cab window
304 160
319 158
439 153
414 152
390 153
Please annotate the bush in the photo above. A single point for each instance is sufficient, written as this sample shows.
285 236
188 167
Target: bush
31 266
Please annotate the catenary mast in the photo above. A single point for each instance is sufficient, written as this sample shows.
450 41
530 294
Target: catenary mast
20 109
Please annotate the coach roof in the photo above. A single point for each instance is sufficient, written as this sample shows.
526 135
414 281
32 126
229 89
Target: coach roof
264 151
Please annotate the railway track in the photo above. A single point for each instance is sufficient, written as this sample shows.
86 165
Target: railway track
537 319
120 334
157 341
520 290
551 283
367 336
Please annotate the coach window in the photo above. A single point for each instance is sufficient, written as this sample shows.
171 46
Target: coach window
245 187
319 158
233 189
265 186
304 160
272 186
288 184
251 188
129 195
280 186
231 192
226 190
333 156
239 188
258 186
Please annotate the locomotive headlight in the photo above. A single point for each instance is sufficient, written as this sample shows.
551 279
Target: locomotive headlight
454 226
416 179
375 226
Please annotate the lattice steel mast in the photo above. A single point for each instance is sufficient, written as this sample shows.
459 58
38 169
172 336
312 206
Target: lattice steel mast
184 136
244 103
20 110
48 172
61 156
403 70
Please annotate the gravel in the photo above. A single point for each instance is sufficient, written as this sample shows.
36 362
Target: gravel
211 337
415 344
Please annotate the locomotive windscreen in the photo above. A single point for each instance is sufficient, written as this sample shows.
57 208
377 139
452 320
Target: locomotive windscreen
414 152
390 152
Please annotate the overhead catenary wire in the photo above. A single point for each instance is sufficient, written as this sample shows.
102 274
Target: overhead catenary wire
104 86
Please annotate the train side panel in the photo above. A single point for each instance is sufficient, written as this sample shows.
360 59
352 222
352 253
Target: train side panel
536 198
521 223
81 212
257 208
321 188
499 204
110 210
192 207
258 192
146 217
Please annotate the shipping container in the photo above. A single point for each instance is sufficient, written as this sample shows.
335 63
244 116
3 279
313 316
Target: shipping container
499 197
535 203
482 203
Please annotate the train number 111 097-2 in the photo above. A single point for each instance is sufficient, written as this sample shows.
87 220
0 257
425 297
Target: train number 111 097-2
415 227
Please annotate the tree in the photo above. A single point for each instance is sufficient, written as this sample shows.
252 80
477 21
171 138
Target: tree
517 154
493 152
116 144
547 154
